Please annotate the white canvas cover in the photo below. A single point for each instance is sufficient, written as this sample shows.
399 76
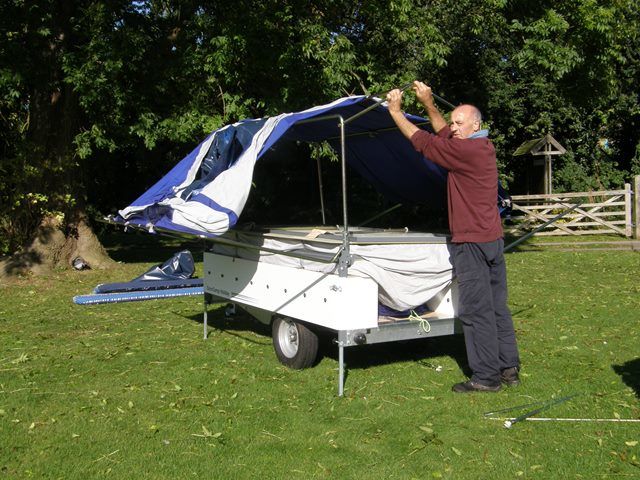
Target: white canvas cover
408 275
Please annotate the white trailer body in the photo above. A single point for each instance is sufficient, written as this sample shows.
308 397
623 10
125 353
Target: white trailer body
299 301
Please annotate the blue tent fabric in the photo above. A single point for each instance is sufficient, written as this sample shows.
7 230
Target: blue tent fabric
396 170
204 194
223 152
136 296
176 272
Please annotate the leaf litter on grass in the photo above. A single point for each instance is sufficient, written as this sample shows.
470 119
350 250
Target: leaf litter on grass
135 354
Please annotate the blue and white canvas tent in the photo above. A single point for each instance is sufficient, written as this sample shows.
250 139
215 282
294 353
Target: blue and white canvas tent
348 282
205 193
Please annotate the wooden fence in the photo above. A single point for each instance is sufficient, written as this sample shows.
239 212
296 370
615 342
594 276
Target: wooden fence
604 212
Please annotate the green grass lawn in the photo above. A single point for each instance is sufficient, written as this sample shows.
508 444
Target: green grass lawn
133 391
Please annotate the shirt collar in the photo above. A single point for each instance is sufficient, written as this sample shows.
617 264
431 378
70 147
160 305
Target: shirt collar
480 134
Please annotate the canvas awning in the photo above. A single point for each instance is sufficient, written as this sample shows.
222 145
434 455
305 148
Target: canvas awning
206 191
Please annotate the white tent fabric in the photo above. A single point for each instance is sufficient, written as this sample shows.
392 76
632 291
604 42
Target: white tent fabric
229 189
408 275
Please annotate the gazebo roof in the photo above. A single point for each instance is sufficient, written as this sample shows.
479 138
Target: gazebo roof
537 147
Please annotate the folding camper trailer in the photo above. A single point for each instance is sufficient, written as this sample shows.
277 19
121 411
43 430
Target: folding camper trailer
301 279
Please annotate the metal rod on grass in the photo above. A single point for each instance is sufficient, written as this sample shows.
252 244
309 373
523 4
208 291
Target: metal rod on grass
517 407
549 419
546 406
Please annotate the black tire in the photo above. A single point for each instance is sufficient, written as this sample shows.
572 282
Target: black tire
296 346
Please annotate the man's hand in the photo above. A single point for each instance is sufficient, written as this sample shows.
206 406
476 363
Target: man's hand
394 104
394 101
423 93
425 97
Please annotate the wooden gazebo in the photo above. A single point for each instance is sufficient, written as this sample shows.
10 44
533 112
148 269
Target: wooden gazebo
547 147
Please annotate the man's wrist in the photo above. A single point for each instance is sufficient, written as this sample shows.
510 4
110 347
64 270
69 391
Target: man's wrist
430 106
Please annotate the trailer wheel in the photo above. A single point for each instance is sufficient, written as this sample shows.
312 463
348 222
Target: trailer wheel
296 346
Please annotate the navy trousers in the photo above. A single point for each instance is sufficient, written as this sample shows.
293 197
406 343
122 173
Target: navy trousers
489 336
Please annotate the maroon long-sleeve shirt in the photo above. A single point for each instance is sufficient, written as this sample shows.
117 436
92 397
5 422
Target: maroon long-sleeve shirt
472 183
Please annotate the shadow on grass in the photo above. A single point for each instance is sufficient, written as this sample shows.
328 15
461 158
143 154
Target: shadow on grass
19 262
234 325
357 357
630 373
139 247
420 351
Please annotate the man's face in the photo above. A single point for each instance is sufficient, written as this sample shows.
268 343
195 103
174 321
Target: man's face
464 122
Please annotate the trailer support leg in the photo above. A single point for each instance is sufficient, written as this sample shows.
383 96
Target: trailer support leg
206 303
340 370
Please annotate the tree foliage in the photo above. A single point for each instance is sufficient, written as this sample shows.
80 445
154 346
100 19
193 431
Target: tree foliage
98 98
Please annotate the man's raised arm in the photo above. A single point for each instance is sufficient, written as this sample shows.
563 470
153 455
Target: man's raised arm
424 96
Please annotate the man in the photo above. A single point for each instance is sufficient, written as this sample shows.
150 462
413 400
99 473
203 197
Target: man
476 236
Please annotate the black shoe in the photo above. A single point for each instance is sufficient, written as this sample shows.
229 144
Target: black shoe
471 386
510 376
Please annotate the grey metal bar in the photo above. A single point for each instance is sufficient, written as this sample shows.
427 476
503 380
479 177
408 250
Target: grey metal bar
343 156
345 256
375 217
443 101
340 370
360 235
398 237
546 406
231 243
401 329
345 240
375 132
315 258
371 107
205 319
324 221
382 100
317 119
402 88
366 110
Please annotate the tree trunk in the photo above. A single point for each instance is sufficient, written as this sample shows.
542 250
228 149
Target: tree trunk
55 119
56 246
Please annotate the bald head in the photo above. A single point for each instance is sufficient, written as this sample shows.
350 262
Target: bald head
465 121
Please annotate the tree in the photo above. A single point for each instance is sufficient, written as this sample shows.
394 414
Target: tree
97 98
41 114
537 67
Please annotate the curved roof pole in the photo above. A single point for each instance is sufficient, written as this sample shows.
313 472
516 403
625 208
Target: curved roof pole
378 102
383 99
